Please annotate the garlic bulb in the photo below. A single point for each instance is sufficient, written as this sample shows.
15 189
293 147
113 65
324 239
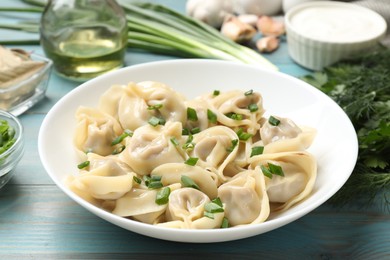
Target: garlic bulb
211 12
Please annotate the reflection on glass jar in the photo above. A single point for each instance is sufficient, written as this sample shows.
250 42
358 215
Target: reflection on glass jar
84 38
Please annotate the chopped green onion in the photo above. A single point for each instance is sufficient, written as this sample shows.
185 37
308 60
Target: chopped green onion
155 185
216 92
137 180
185 131
234 144
174 141
214 206
120 138
256 150
276 169
211 116
253 107
191 161
7 136
225 223
162 196
154 121
191 114
155 107
234 116
83 165
266 171
153 182
195 130
188 146
243 136
188 182
119 150
249 92
273 121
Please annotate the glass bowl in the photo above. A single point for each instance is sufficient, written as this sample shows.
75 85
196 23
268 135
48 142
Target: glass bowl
19 97
11 156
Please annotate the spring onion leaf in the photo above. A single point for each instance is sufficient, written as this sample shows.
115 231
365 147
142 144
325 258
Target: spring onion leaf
162 196
191 161
155 121
174 141
214 206
249 92
211 116
188 182
191 114
253 107
195 130
276 169
137 180
225 223
83 165
234 144
257 150
120 138
119 149
243 136
266 171
273 121
155 107
216 93
234 116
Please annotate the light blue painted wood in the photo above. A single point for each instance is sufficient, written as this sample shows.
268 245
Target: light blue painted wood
38 221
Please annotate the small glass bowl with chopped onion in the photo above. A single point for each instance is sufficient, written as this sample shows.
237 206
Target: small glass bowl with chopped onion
11 145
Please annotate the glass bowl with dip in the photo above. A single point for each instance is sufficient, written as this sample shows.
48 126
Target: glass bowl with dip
23 79
11 145
321 33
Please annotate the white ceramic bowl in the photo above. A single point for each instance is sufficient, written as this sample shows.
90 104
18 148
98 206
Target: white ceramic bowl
335 146
321 33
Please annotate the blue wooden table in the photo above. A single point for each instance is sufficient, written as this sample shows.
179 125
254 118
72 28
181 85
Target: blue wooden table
38 221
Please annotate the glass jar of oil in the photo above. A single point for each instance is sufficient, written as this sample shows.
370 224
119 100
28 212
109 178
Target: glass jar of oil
84 38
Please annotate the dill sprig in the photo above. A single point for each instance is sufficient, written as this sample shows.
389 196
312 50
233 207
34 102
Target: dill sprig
361 86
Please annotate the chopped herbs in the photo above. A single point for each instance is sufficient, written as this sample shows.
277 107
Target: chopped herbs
191 114
83 165
243 136
155 121
234 144
216 92
155 107
234 116
188 182
191 161
185 131
225 223
272 169
273 121
120 138
118 150
137 180
253 107
257 150
249 92
174 141
211 116
195 130
162 196
214 206
7 136
153 181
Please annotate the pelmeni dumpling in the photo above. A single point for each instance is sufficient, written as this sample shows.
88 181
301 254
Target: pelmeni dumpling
248 106
105 178
285 136
186 210
134 104
95 131
300 171
151 146
215 148
172 172
245 198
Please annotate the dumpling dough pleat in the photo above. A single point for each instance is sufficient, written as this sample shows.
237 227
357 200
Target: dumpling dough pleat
95 131
151 146
245 198
300 171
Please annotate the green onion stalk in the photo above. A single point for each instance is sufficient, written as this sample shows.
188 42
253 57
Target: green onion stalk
159 29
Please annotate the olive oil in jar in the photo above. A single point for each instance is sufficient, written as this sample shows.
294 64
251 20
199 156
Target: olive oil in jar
84 38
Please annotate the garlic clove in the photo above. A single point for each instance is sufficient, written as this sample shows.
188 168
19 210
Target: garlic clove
267 44
250 19
236 30
269 26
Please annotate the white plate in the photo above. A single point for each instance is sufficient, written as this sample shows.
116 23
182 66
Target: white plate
335 146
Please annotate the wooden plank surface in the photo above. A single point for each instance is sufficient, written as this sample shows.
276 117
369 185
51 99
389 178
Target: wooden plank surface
38 221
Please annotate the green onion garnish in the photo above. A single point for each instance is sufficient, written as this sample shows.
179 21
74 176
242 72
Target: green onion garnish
276 169
243 136
253 107
137 180
120 138
225 223
83 165
216 92
234 116
234 144
174 141
266 171
155 107
214 206
191 114
273 121
191 161
185 131
188 182
153 182
155 185
256 150
118 150
249 92
195 130
162 196
154 121
211 116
